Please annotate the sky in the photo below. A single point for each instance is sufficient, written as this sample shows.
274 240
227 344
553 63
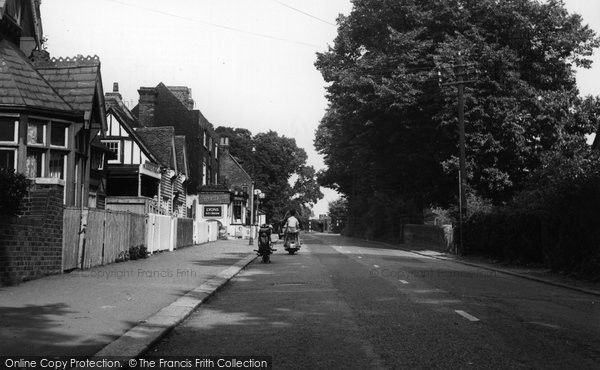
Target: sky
249 63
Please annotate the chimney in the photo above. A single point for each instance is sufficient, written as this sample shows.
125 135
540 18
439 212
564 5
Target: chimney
115 93
224 145
146 106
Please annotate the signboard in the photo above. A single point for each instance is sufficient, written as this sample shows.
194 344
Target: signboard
213 211
213 198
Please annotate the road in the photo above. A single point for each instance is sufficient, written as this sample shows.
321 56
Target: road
345 303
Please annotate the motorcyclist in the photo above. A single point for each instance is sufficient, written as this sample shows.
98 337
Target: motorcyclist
292 226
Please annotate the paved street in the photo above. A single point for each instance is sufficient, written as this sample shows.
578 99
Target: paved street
343 303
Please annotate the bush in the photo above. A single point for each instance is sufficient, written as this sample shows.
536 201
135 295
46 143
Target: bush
13 188
556 225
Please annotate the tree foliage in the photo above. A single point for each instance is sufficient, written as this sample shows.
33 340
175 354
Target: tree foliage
273 161
13 187
338 213
391 127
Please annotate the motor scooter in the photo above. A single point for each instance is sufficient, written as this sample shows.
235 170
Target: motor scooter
264 244
292 242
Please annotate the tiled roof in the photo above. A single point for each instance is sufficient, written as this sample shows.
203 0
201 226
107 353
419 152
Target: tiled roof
179 152
160 141
120 110
22 86
74 79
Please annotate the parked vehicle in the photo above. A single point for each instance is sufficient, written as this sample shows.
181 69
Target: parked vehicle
264 243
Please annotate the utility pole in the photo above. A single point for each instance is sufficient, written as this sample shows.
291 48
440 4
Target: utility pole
462 171
462 175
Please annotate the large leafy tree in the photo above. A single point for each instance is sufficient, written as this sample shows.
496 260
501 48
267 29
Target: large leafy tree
278 167
390 131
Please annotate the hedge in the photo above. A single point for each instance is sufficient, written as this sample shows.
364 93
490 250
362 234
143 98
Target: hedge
558 227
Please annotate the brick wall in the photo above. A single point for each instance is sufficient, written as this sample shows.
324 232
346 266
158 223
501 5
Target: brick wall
31 244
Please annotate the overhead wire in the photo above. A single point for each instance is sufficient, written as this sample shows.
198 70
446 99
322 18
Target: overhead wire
216 25
305 13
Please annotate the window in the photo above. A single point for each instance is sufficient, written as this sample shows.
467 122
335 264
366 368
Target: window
36 133
57 165
97 161
115 147
237 212
58 135
204 172
216 151
8 130
204 138
8 158
35 163
210 144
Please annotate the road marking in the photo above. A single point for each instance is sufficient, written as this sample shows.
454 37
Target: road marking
545 324
466 315
376 266
404 281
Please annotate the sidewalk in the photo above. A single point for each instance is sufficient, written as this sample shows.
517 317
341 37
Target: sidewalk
539 274
80 313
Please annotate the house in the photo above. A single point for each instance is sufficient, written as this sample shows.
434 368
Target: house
170 151
173 106
50 108
140 175
228 202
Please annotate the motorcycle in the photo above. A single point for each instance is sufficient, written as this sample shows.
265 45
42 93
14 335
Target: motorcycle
264 244
292 242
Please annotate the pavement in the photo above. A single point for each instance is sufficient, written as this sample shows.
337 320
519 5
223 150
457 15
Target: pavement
116 310
535 273
121 310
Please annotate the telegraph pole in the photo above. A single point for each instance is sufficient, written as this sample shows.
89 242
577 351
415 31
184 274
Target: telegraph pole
462 171
462 175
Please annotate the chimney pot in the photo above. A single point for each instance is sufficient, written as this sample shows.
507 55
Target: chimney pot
115 87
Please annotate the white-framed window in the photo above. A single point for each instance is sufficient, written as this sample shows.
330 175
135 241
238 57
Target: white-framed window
36 133
9 130
8 158
115 147
35 164
59 135
204 172
216 151
210 144
205 137
57 165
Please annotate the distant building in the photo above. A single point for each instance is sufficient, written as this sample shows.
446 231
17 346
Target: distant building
229 201
173 106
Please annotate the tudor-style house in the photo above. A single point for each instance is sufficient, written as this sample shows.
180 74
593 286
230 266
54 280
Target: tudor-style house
173 106
149 168
50 109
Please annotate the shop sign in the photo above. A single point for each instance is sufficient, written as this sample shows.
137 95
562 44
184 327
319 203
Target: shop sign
212 211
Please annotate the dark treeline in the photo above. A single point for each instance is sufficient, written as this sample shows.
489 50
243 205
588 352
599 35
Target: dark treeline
390 133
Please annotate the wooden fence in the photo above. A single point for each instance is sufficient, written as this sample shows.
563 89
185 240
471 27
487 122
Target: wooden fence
109 235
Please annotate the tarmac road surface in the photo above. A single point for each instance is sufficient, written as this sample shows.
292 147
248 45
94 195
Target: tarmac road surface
344 303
